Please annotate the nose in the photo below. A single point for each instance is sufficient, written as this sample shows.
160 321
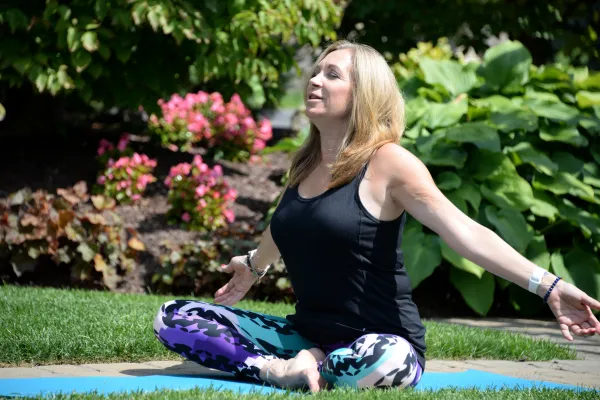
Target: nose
315 80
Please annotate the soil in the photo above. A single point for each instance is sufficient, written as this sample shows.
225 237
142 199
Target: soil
53 162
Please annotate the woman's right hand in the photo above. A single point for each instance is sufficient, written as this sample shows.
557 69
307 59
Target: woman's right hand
239 284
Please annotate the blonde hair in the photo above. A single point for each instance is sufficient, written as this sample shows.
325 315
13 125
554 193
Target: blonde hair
376 117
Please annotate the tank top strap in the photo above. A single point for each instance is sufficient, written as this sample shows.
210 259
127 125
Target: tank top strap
359 177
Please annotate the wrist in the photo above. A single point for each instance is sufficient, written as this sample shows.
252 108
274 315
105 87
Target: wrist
545 284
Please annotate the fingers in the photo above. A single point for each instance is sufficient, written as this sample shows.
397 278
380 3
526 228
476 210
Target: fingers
227 268
564 328
588 301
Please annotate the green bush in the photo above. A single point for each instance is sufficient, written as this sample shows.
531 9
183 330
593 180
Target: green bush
67 229
127 53
513 146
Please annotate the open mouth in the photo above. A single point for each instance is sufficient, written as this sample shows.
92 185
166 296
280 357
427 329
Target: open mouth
314 97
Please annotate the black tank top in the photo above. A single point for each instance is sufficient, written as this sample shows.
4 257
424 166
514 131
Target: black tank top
346 268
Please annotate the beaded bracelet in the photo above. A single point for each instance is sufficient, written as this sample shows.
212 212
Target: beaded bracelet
257 274
558 278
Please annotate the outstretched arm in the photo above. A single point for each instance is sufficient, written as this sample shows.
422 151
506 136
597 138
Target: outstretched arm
413 189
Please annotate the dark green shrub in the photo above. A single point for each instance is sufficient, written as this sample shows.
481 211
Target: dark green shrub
514 147
127 53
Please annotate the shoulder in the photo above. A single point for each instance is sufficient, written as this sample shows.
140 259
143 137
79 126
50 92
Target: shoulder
395 163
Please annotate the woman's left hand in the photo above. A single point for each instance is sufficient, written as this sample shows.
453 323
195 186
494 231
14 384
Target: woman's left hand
573 311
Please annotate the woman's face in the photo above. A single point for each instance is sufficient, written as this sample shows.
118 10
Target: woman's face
329 91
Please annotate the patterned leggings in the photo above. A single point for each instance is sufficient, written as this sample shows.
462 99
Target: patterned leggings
238 341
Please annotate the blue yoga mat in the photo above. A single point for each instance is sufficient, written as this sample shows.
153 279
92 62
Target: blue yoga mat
105 385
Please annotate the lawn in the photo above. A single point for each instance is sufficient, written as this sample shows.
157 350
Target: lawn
53 326
349 394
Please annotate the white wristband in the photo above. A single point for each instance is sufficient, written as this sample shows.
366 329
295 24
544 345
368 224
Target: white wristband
536 279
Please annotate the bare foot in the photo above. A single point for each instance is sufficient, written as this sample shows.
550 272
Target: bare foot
298 372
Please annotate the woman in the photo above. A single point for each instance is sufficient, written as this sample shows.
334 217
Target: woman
338 227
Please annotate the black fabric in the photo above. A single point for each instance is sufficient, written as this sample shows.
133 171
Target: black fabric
346 268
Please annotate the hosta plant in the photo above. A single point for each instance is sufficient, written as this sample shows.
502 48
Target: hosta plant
226 130
514 146
199 197
69 229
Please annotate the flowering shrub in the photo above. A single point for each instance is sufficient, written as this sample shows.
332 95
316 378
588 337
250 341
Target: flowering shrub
125 180
227 130
199 198
107 150
66 230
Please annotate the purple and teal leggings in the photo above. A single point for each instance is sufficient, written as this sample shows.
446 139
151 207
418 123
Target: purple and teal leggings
234 340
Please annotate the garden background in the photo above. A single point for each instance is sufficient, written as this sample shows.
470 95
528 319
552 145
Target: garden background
144 143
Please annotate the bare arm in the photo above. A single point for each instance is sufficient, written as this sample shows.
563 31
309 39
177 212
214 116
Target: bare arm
267 252
412 188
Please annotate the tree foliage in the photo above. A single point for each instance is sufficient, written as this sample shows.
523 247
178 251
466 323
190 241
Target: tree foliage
544 27
132 52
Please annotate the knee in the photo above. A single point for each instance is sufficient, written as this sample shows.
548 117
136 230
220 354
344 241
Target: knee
159 320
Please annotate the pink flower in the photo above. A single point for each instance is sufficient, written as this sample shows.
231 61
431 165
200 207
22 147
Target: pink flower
201 190
202 203
136 197
101 180
186 217
218 170
122 145
202 97
216 195
137 159
229 215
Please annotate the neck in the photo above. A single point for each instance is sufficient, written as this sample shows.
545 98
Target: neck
332 134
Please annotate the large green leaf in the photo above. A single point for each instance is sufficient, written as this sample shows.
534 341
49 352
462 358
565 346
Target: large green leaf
537 252
584 268
515 120
445 114
565 134
587 99
448 180
567 162
470 193
422 255
563 183
483 164
415 109
445 155
454 77
524 152
478 293
558 267
511 225
512 191
588 224
506 66
591 174
495 103
544 205
551 109
478 133
460 262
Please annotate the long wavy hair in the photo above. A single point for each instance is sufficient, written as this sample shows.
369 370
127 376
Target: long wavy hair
376 117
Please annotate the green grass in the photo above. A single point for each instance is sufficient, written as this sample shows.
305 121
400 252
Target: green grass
52 326
348 394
